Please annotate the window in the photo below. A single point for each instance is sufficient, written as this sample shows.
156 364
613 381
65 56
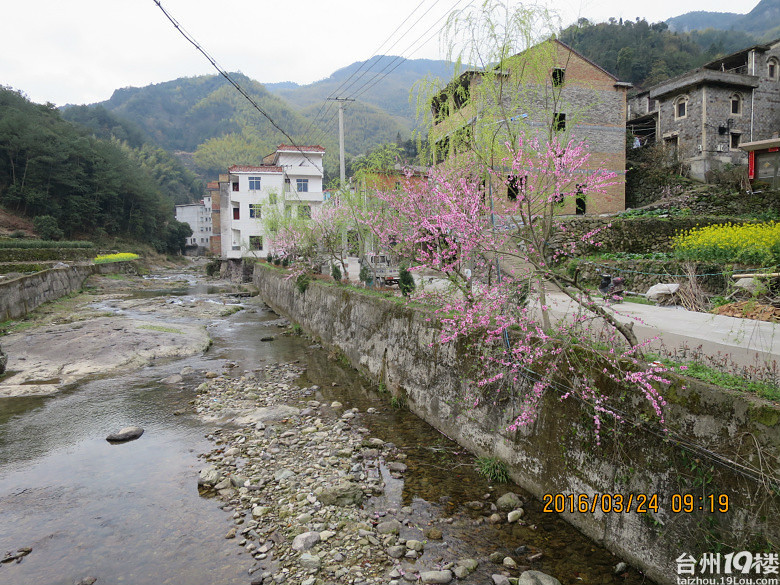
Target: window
254 183
304 212
557 76
772 68
272 198
255 210
514 185
734 142
736 105
235 185
302 185
255 242
581 204
286 185
681 107
559 122
236 213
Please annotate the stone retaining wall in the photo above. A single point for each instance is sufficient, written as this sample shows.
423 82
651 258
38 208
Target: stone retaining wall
21 295
638 235
397 346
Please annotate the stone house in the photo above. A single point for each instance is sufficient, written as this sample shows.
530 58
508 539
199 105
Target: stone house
546 90
288 182
704 115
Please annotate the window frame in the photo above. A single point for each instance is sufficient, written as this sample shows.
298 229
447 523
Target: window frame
255 211
773 68
559 122
736 99
253 240
255 183
301 183
236 212
678 102
558 76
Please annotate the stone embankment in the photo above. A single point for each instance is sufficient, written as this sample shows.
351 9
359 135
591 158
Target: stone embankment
706 431
296 474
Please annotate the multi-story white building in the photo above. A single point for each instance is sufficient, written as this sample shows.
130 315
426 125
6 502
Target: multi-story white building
198 215
289 182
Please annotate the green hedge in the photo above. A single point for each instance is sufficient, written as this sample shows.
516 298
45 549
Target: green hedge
45 254
39 244
25 268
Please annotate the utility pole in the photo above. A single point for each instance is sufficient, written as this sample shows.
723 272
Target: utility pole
342 166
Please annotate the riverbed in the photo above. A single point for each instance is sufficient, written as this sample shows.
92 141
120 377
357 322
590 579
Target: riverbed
132 513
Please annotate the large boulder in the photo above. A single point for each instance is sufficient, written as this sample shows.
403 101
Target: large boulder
537 578
342 494
125 434
3 360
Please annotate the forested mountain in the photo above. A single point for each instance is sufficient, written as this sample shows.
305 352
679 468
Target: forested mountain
174 180
384 81
763 21
207 116
646 54
88 186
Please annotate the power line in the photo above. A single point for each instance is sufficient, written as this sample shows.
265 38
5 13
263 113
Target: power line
230 80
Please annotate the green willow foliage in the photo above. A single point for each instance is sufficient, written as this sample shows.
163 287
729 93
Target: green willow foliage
50 167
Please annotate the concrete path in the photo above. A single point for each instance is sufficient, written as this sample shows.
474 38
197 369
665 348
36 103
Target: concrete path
743 342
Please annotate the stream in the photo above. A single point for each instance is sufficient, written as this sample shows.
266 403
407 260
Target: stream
131 513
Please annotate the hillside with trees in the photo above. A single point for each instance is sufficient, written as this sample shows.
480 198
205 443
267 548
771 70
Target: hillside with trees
208 117
763 22
646 54
76 184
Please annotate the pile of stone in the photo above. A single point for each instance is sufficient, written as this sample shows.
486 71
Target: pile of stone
293 472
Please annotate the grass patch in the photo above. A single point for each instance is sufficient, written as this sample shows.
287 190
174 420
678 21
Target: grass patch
161 328
117 276
493 469
639 300
231 310
724 379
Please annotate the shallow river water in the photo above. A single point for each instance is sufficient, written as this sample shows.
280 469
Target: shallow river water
131 513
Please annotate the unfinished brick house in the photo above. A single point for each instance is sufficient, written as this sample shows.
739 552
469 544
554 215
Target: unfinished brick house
704 115
548 89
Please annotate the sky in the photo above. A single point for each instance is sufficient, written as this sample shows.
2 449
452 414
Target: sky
80 51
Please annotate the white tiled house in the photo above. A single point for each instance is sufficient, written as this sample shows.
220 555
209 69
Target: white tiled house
289 181
199 217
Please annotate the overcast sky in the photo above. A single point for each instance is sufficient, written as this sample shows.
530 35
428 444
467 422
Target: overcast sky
79 51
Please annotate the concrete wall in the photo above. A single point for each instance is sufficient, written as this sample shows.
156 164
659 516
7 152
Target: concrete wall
396 345
21 295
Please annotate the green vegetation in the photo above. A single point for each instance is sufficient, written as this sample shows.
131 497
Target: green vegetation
161 329
646 54
493 469
405 282
302 282
37 244
752 244
121 257
723 379
231 310
335 272
76 184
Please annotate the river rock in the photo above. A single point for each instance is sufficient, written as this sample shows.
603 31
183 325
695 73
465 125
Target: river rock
305 541
515 515
174 379
342 494
414 545
499 579
208 476
509 501
3 360
433 534
396 552
125 434
537 578
436 576
309 561
396 466
87 581
389 527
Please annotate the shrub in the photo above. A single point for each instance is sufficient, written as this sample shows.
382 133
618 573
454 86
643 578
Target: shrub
269 258
47 227
285 261
302 282
40 244
405 282
365 275
212 268
277 261
335 272
493 469
752 244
